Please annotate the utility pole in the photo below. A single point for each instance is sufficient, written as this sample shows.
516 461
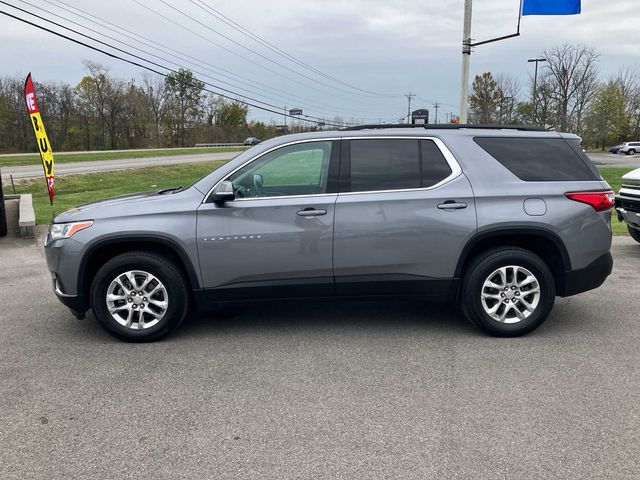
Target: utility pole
436 106
466 52
410 97
535 85
284 115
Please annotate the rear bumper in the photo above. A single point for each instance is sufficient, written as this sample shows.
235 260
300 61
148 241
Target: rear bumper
589 277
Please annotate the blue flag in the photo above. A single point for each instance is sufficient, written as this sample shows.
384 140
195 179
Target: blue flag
550 7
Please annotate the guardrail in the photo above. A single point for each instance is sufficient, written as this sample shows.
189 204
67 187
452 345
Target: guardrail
219 145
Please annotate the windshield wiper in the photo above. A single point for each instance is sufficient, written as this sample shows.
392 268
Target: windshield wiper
172 189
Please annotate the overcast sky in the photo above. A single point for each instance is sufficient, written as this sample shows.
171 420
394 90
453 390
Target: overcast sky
389 47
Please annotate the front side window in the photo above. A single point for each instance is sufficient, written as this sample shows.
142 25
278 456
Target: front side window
384 164
300 169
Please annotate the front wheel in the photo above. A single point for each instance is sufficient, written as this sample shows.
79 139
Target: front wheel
139 296
631 152
508 292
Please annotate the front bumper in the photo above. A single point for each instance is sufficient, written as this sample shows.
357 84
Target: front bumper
589 277
75 303
628 211
63 263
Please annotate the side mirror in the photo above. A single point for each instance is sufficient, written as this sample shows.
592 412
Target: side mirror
223 192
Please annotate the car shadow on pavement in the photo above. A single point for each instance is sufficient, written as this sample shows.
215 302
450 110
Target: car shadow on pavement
332 315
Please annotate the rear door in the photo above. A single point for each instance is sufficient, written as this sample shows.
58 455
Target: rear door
403 216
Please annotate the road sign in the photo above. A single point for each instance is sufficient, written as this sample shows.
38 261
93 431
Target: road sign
420 116
321 124
295 111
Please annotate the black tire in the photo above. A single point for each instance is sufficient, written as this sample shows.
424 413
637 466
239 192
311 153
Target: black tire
631 151
165 271
635 234
480 269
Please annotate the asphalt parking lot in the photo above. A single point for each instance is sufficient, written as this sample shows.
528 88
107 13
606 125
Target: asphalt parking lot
613 160
320 390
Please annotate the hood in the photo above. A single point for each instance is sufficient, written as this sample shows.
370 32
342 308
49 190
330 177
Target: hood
131 204
632 177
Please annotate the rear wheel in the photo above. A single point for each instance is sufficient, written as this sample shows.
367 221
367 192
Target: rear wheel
508 292
635 234
139 296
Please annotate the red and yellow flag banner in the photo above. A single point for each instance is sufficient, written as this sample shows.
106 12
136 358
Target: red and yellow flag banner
46 154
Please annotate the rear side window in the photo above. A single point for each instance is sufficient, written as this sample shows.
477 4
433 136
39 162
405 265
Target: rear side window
384 164
539 159
434 166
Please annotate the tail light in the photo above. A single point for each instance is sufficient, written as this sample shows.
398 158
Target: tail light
600 201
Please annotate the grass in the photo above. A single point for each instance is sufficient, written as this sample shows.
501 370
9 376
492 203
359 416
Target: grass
613 176
34 159
73 190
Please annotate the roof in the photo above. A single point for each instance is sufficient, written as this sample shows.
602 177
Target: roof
447 126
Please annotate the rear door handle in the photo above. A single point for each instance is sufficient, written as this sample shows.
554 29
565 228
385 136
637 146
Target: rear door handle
312 212
452 205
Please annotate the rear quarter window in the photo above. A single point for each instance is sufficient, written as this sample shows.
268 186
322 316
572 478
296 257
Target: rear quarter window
540 159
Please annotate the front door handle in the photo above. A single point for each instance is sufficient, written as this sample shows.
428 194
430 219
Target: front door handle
452 205
312 212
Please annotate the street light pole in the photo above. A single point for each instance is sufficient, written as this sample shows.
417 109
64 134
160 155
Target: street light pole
535 84
466 52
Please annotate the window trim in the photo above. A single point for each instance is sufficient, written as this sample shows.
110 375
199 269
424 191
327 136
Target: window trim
456 170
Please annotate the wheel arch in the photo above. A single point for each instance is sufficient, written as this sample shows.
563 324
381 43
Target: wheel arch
544 243
103 250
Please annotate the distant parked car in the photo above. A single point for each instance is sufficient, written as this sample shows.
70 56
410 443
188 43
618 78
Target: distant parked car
251 141
615 149
630 148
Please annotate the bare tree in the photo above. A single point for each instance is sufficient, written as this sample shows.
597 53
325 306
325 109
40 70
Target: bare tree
510 91
571 72
156 93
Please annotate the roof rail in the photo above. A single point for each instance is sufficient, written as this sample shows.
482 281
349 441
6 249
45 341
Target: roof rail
446 126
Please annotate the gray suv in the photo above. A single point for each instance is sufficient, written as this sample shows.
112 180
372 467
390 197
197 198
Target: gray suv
501 220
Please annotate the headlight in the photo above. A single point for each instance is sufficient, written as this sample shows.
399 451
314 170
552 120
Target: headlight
66 230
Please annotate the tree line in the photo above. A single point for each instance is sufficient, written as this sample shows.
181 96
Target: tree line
102 112
570 96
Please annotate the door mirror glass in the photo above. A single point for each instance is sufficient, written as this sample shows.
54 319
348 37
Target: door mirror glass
223 192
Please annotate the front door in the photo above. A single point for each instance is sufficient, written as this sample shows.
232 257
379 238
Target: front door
403 215
275 238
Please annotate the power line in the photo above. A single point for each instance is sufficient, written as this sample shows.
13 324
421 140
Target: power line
153 54
248 33
253 62
140 65
235 42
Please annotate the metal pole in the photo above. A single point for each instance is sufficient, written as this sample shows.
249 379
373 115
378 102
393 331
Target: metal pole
409 96
466 52
535 87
